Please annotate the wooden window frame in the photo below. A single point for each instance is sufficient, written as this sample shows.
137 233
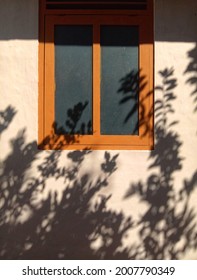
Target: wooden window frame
47 138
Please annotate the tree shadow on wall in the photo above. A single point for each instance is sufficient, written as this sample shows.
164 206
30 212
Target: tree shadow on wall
41 223
39 220
167 229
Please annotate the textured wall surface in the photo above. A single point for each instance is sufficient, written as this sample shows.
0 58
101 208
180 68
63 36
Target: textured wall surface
99 204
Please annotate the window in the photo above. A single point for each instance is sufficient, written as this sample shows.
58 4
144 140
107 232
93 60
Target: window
96 74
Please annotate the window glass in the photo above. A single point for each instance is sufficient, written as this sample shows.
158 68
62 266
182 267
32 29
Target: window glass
119 86
73 79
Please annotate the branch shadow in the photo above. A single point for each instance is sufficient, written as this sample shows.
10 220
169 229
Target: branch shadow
68 131
42 222
38 222
167 229
131 86
73 123
191 70
6 118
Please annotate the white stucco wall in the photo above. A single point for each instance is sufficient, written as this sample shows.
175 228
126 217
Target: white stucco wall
175 36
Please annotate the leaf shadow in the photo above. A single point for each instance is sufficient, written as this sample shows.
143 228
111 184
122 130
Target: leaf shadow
167 229
42 222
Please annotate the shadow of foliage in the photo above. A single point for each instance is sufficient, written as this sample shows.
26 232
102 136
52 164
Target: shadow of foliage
72 125
131 85
167 229
6 117
39 222
191 70
70 132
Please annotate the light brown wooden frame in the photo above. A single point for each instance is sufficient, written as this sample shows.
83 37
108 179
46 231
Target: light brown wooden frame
47 137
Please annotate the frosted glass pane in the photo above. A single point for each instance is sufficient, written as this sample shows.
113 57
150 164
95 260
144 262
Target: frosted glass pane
73 79
119 80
